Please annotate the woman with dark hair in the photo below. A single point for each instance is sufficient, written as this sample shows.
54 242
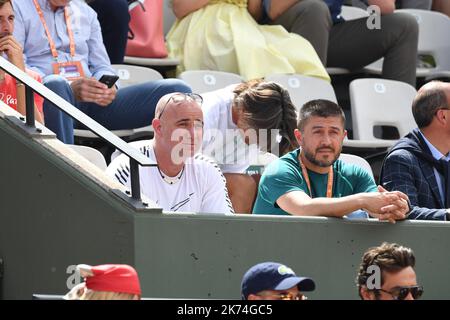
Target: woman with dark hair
240 120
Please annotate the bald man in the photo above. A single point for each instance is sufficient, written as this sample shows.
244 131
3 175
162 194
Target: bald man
418 164
182 181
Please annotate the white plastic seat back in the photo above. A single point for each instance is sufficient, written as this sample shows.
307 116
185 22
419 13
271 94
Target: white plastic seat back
202 81
434 35
303 89
94 156
380 102
356 160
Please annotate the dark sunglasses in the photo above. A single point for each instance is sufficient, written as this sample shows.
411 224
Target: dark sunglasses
400 293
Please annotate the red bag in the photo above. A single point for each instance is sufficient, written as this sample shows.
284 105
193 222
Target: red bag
146 36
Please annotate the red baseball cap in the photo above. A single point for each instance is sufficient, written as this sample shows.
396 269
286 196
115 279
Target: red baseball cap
114 278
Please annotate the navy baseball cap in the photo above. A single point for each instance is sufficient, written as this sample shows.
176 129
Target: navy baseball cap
273 276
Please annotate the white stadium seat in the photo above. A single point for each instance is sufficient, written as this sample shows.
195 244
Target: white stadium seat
202 81
303 89
380 102
434 35
91 154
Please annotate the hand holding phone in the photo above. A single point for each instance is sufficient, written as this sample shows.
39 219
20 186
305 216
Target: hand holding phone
109 80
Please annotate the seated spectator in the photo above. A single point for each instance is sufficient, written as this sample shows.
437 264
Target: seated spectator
274 281
236 118
311 181
400 4
180 182
352 44
387 273
62 37
114 18
223 35
418 164
12 92
106 282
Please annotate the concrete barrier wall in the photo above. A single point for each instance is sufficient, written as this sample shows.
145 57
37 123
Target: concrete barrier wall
205 257
53 216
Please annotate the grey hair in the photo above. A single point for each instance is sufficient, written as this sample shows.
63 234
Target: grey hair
426 104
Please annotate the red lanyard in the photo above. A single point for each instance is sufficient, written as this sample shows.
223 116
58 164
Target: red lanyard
49 36
308 182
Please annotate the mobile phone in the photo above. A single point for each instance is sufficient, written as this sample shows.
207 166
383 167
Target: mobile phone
109 80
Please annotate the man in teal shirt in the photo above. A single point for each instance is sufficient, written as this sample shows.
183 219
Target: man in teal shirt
311 181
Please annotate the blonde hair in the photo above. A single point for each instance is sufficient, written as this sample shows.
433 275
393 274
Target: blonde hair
81 292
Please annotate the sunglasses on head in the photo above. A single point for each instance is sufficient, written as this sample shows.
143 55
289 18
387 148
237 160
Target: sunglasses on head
400 293
181 97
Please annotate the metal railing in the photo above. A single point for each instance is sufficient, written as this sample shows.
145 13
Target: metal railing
32 86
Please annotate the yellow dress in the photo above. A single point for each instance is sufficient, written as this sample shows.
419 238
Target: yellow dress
224 36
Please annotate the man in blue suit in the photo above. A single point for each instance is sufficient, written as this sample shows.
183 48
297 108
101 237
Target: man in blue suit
418 165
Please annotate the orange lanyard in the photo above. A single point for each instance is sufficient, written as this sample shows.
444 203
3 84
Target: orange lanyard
49 36
308 182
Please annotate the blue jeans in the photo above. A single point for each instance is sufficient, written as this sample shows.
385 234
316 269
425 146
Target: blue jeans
133 107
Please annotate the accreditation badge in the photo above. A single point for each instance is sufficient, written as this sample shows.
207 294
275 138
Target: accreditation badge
70 70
